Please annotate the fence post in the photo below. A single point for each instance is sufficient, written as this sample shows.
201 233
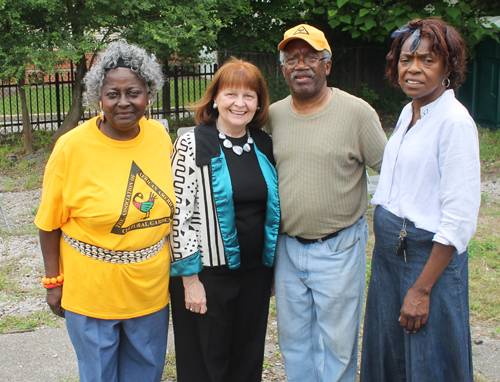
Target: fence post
166 91
176 91
58 101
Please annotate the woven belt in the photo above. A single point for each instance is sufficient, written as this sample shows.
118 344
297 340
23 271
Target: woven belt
118 257
301 240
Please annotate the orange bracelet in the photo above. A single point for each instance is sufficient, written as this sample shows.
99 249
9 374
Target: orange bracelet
53 282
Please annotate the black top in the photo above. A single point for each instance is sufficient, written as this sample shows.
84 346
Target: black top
249 197
208 146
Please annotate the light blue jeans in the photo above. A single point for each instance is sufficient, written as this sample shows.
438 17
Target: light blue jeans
119 350
319 296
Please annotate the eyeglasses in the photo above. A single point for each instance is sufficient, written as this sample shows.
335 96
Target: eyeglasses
308 61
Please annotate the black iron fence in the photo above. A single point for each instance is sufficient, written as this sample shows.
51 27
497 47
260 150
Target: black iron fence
353 69
49 102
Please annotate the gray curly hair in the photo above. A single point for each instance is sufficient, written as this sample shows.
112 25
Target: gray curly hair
140 62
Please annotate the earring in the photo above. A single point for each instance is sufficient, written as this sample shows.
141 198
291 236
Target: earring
446 79
148 111
215 104
101 112
399 82
258 107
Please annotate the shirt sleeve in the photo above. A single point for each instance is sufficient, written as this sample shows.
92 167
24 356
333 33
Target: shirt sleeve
186 258
372 141
52 213
460 185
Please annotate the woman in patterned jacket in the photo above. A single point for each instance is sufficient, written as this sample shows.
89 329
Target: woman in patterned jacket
224 231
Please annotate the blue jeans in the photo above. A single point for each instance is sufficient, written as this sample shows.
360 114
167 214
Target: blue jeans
319 297
441 350
119 350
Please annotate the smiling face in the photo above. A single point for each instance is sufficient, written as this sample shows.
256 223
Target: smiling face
237 108
124 100
305 82
421 73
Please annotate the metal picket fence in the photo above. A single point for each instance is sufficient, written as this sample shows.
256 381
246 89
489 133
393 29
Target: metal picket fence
50 101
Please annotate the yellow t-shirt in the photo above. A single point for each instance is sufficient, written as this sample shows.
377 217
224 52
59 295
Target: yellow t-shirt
93 189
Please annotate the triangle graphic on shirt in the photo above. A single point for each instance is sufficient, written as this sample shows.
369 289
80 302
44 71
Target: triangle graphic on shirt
137 201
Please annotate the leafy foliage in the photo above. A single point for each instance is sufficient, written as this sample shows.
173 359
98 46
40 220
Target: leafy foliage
42 33
256 25
374 20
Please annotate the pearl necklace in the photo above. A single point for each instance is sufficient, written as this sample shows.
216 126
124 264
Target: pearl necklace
238 150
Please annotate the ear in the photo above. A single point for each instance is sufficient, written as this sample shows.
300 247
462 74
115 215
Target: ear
283 70
447 70
328 67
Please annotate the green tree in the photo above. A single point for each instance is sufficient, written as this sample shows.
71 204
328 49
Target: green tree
256 25
82 27
21 48
374 20
162 26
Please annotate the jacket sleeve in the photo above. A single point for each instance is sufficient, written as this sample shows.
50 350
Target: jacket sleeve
186 259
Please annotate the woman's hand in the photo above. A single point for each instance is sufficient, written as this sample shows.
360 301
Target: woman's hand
54 296
194 294
415 310
49 241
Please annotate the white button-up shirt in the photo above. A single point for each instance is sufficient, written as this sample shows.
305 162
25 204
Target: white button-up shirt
431 173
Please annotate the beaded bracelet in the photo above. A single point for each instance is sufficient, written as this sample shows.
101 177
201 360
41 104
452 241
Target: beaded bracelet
53 282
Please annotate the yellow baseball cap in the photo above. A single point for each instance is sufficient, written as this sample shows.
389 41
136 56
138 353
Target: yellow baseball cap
309 34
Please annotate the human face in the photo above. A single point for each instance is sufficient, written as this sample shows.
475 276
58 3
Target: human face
421 73
124 101
237 108
305 82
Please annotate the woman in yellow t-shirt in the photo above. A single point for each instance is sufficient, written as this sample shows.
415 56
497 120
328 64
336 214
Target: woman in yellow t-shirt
106 208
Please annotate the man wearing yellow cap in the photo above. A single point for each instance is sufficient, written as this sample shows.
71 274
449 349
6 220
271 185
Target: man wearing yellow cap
322 138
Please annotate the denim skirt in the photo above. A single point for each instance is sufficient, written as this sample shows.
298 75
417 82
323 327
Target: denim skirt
441 350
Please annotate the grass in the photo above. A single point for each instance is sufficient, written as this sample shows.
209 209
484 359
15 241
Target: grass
7 270
26 172
11 290
8 185
272 307
43 318
484 274
266 364
480 378
489 146
40 99
170 370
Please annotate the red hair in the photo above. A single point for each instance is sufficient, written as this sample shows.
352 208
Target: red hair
234 74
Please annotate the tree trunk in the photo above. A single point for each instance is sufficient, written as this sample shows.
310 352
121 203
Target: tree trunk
27 136
76 110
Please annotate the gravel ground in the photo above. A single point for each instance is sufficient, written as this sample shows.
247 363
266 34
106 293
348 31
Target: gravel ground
20 357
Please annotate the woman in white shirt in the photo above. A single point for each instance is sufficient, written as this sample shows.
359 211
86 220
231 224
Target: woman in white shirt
417 311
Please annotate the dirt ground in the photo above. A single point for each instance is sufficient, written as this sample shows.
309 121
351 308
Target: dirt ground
22 247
